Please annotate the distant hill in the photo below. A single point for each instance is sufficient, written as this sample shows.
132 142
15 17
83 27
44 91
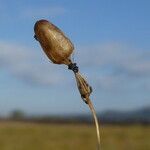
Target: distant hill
140 116
136 116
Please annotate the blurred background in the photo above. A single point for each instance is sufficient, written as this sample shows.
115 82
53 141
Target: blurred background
40 106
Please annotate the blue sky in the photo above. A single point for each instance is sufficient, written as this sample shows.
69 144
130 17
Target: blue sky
112 49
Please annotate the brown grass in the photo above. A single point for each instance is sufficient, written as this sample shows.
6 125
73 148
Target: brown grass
30 136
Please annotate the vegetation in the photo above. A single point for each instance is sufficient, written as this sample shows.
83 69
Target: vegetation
31 136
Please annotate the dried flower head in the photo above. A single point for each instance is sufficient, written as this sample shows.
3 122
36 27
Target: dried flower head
55 44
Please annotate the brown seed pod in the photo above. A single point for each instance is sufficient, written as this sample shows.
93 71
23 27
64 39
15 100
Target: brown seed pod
55 44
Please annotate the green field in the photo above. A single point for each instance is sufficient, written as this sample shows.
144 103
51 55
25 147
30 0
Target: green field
29 136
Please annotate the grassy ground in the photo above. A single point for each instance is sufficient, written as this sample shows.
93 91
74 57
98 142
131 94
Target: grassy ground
27 136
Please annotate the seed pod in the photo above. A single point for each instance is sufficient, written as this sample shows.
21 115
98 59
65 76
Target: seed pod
55 44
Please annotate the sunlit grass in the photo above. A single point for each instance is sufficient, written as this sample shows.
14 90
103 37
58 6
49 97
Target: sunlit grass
27 136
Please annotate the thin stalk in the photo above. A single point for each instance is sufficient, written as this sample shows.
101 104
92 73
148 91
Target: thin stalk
85 91
96 121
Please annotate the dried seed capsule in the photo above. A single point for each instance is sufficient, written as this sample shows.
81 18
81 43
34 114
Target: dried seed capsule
55 44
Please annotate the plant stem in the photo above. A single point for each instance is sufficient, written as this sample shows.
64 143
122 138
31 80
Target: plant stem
85 91
96 121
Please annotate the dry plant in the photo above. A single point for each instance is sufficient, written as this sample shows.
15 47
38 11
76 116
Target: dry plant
58 49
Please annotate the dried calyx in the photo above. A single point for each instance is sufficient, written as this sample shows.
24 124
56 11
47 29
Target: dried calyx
58 49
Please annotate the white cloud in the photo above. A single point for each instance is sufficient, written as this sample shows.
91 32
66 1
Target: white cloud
116 57
26 64
110 66
115 66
